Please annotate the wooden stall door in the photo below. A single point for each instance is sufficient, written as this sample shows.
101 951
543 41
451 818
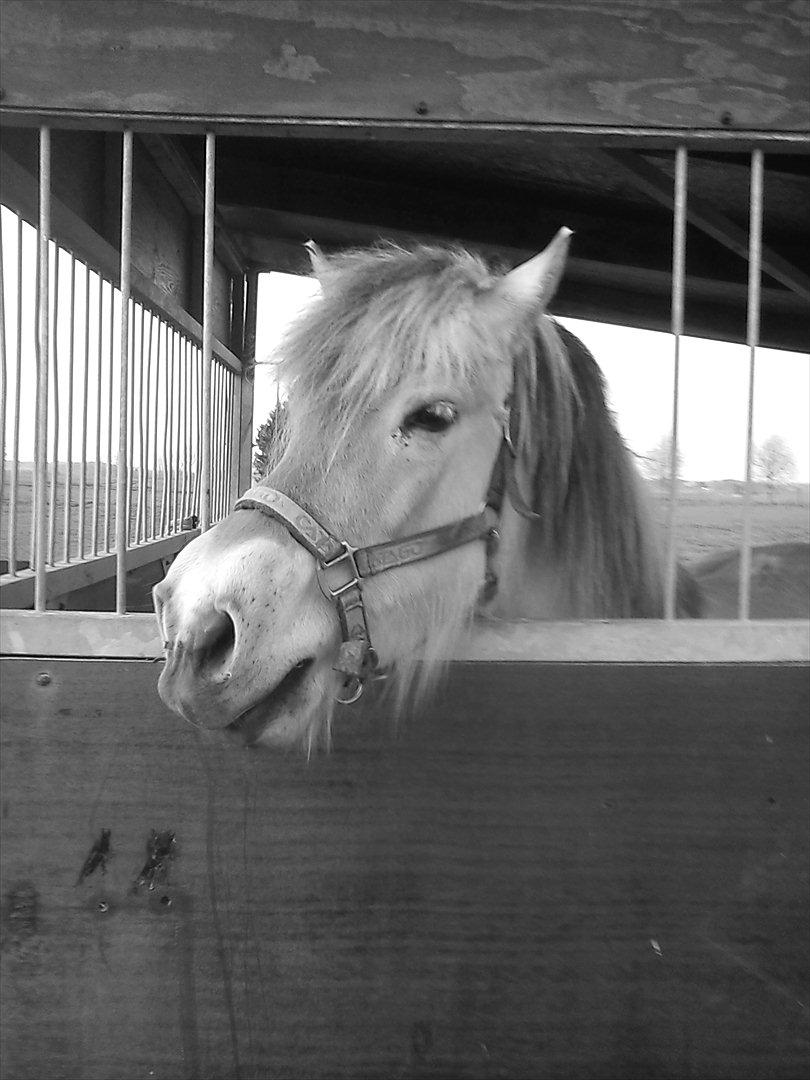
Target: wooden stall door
579 871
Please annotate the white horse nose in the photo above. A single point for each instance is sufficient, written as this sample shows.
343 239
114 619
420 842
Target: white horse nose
200 655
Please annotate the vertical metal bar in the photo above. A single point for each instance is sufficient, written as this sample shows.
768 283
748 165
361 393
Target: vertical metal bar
147 431
164 495
97 468
67 519
55 443
186 426
155 467
215 442
3 369
121 527
247 384
141 508
108 477
43 352
199 419
232 446
170 521
752 340
15 439
85 393
678 291
207 331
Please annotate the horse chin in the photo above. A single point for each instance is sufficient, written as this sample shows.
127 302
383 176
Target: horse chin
284 717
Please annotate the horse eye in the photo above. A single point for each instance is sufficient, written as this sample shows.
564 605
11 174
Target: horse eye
436 417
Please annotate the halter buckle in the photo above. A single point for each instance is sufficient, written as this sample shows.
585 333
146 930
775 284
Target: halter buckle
347 556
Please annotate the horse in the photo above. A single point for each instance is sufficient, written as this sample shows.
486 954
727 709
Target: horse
447 454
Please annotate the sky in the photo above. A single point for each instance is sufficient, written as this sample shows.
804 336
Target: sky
638 366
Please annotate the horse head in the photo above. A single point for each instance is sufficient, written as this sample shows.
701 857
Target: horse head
438 427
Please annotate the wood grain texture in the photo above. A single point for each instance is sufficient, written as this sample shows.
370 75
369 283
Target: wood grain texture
669 63
591 872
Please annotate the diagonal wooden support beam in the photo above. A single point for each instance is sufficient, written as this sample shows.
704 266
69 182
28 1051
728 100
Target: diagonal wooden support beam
706 217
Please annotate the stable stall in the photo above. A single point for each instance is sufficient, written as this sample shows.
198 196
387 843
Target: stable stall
589 858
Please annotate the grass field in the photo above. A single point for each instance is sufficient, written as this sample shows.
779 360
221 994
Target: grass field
710 521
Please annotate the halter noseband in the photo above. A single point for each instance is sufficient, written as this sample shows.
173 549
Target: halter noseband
341 567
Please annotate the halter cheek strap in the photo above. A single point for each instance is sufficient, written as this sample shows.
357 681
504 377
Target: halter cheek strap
341 568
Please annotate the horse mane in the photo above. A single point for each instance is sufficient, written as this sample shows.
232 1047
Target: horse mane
594 515
387 313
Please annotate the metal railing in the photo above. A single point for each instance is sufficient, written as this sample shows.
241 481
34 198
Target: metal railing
177 420
129 419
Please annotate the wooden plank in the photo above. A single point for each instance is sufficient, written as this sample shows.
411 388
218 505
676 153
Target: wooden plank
633 641
701 65
77 236
597 875
18 591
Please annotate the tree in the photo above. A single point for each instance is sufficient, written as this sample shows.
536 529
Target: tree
773 461
656 464
267 441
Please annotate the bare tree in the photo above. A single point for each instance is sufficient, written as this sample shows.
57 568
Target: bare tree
773 461
267 441
656 464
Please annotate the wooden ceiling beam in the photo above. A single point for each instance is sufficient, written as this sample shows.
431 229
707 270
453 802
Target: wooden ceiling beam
705 216
179 173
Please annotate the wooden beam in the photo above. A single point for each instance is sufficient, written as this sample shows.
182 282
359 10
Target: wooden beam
18 591
706 217
20 193
610 292
697 66
173 162
627 641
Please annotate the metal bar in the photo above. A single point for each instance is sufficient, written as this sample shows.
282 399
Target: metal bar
108 478
216 442
186 423
15 438
130 415
752 339
706 217
42 355
85 393
170 522
199 416
248 383
140 533
147 431
395 130
678 290
3 369
233 447
155 433
121 476
208 296
164 495
68 515
97 468
55 443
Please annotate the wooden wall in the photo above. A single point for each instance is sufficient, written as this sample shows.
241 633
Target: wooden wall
579 871
701 64
86 181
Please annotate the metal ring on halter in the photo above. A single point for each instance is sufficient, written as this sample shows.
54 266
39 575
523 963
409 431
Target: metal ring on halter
353 687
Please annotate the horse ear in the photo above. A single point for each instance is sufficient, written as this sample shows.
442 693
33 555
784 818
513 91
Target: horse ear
316 258
533 283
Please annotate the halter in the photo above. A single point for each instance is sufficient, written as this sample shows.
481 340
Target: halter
341 567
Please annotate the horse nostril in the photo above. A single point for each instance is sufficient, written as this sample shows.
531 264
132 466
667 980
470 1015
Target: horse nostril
215 642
